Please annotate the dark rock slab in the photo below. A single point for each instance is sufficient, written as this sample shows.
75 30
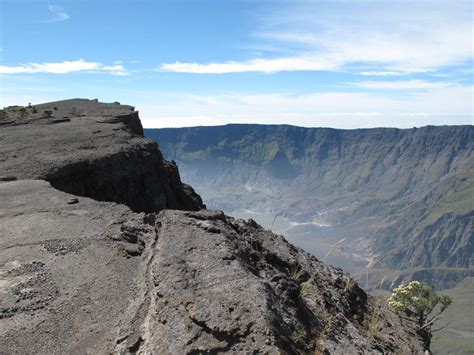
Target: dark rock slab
98 151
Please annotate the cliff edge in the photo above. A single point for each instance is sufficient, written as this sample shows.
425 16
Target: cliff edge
104 250
91 149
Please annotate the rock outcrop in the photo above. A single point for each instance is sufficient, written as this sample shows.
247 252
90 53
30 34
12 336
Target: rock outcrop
83 270
92 149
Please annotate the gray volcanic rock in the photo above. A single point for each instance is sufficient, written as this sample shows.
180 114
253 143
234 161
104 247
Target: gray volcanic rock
78 275
92 149
65 282
226 285
94 277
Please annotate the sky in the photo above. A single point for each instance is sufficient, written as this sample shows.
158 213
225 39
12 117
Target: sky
331 63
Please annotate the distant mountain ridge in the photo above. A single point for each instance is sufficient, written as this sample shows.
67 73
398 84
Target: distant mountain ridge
402 198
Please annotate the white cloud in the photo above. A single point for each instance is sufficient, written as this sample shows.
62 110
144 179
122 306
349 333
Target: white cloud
402 84
380 73
62 68
59 14
443 105
385 38
114 69
255 65
431 114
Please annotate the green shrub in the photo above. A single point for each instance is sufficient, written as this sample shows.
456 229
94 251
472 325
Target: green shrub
47 113
22 112
420 300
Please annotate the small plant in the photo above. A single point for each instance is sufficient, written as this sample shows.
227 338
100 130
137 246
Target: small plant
296 271
74 112
375 323
22 112
2 157
350 283
300 337
47 113
55 108
261 252
420 300
34 110
331 249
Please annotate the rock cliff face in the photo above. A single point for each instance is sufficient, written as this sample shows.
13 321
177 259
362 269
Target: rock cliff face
92 149
79 274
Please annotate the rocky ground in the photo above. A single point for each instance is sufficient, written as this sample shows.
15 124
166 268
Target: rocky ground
101 252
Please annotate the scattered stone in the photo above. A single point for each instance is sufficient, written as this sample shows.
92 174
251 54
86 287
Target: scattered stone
59 120
8 178
73 201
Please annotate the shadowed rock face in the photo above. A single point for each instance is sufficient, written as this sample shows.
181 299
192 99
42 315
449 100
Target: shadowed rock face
92 149
78 275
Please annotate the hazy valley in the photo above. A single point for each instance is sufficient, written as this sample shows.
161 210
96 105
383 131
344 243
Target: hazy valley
389 198
388 205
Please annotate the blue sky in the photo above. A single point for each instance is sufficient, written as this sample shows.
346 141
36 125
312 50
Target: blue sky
343 64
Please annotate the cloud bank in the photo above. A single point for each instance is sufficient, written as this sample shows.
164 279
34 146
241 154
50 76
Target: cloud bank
402 84
255 65
64 67
385 38
437 105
